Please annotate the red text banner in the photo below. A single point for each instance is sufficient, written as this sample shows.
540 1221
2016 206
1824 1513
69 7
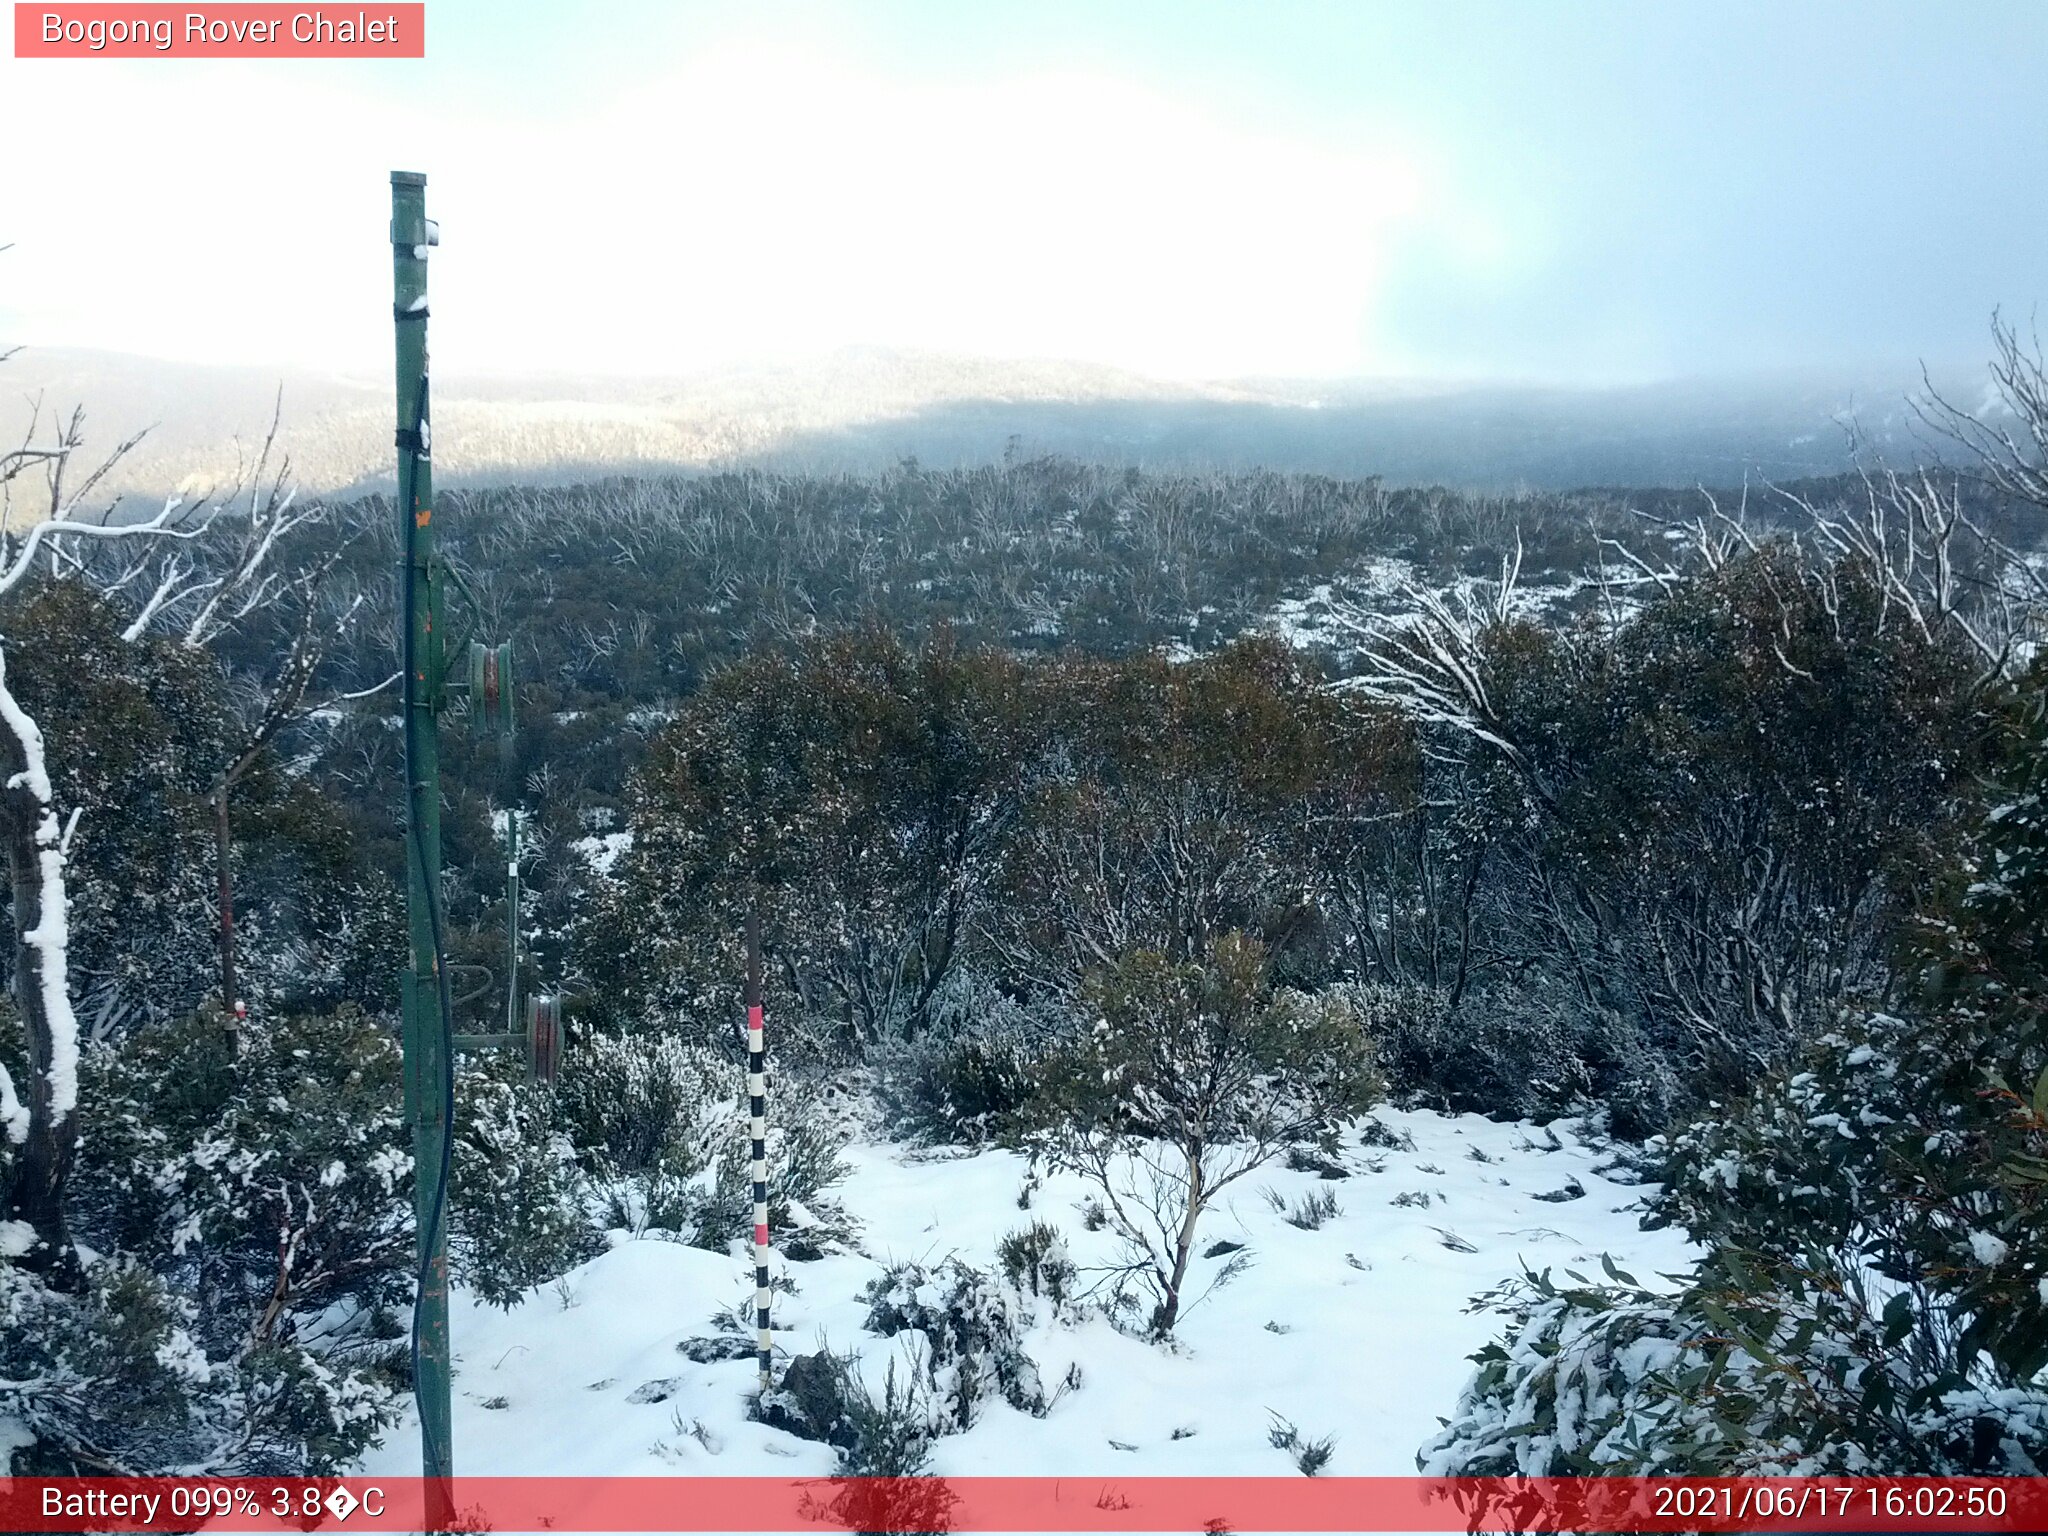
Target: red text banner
238 31
1043 1504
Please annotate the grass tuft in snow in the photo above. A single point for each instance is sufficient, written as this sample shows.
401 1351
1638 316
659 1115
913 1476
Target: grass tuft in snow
1310 1456
1310 1212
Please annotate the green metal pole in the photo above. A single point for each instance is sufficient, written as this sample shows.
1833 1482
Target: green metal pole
428 1084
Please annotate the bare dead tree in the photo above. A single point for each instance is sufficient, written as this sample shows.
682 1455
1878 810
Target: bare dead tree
278 703
36 833
1934 563
1430 662
2013 459
201 591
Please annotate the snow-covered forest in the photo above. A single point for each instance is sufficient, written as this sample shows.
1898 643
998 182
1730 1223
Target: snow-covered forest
1577 956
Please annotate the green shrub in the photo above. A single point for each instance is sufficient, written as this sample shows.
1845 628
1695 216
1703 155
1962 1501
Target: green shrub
1035 1262
963 1089
1874 1302
256 1191
973 1335
518 1217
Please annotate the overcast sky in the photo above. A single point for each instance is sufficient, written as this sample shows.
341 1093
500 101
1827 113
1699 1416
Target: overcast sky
1556 191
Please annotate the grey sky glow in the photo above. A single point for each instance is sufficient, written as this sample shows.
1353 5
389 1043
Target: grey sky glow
1559 191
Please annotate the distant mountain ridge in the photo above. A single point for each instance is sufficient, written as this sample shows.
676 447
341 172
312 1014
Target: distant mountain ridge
864 407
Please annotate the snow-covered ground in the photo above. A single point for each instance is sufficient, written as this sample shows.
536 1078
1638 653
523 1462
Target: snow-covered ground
601 850
1357 1330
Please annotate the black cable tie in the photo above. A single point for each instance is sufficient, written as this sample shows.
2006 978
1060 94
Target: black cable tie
409 314
407 437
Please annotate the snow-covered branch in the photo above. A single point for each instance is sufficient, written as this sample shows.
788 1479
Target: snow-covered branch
1935 565
2008 437
1431 664
49 936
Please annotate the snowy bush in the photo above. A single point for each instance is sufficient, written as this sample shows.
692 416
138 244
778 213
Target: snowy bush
846 790
972 1328
517 1218
249 1196
634 1103
1035 1261
962 1089
886 1436
131 733
968 1079
113 1379
1915 1145
803 1163
660 1128
824 1396
269 1170
1877 1301
1898 1146
883 1441
1195 1074
1498 1054
1780 1370
1310 1454
91 1381
643 1115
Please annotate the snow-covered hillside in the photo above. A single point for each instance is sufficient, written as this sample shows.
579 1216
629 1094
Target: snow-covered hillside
1357 1329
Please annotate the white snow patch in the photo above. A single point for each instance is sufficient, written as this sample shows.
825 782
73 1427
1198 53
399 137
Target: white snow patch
51 935
1374 1288
1990 1250
13 1113
602 850
15 1435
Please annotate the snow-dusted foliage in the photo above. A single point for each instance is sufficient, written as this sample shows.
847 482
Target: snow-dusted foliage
518 1211
849 794
1877 1301
658 1130
248 1195
1194 1074
121 730
967 1079
1706 819
1516 1053
958 1089
1756 1367
643 1113
971 1327
1035 1262
1169 804
113 1377
1913 1143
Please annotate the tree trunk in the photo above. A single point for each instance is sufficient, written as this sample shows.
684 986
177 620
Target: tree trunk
1183 1248
42 1161
223 848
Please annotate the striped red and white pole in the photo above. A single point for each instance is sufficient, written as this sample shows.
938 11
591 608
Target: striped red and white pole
757 1095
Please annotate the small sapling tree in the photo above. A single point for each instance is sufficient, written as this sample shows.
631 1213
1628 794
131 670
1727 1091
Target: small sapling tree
1195 1074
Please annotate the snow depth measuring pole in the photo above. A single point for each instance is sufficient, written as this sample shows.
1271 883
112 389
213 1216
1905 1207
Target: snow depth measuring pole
757 1097
423 988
